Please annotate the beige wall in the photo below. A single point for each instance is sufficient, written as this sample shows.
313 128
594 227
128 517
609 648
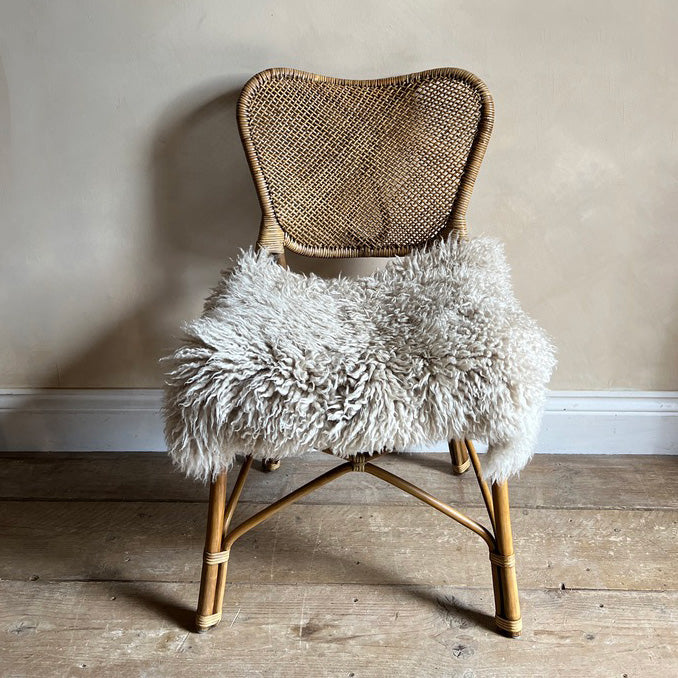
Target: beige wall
123 188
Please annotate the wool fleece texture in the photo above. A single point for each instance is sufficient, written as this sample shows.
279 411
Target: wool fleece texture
434 346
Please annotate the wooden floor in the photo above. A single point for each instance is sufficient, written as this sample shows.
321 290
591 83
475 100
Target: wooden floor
100 557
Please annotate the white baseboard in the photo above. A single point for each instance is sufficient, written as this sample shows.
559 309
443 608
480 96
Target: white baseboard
127 420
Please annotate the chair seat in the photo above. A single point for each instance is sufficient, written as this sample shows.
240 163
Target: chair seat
434 346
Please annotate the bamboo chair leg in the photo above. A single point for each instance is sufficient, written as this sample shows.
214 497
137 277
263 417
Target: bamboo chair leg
270 465
507 603
459 455
484 488
208 580
228 516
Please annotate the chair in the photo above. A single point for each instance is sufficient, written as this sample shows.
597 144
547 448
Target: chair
349 168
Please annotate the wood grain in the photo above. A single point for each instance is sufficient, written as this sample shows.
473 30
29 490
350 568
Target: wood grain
549 481
411 544
370 584
137 629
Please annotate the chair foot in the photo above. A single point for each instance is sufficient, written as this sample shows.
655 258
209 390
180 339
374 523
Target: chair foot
459 455
269 465
204 623
509 627
461 469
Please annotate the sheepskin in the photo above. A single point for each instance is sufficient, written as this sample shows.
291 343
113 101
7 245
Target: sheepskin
434 346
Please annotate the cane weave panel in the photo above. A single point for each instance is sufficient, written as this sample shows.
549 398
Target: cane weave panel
359 165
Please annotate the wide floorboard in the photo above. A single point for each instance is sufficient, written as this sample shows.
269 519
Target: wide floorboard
100 557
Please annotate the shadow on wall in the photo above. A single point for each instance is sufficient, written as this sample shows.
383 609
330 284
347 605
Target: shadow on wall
204 210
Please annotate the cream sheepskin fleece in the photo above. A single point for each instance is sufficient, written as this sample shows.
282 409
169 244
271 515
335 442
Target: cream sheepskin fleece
432 347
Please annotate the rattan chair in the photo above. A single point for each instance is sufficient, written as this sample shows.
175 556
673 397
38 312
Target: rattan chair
348 168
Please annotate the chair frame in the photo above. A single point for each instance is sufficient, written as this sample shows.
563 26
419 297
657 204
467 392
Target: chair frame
220 537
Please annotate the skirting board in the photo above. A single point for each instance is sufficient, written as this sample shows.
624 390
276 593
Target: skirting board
128 420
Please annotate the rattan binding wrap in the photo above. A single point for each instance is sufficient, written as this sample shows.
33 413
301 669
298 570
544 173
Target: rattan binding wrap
204 621
216 557
349 168
511 626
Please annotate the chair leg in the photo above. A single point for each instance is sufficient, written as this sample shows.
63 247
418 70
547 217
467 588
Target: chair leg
482 484
206 616
507 603
226 549
459 455
270 465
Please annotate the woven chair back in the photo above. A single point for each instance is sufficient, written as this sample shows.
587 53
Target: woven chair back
363 167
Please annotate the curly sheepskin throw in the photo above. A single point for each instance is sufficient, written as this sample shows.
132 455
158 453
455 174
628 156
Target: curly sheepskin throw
432 347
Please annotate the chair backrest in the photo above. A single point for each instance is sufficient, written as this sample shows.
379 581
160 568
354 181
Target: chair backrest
363 167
